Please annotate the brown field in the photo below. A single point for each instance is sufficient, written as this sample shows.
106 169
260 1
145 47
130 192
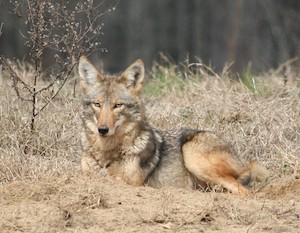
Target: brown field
42 189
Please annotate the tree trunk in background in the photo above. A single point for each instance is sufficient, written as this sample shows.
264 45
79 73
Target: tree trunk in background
182 26
277 31
234 29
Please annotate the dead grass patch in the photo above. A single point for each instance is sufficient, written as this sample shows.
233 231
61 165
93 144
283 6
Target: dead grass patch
42 189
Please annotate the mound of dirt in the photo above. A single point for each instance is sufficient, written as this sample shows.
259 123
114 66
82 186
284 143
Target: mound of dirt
71 203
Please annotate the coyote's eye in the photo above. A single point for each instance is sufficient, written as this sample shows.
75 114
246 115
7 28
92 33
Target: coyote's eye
118 105
98 105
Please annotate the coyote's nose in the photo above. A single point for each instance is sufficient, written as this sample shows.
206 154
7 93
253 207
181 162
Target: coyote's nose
103 129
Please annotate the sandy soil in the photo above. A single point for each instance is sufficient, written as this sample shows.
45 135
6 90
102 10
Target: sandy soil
69 203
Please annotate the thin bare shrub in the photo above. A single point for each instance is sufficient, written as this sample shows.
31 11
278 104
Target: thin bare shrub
63 31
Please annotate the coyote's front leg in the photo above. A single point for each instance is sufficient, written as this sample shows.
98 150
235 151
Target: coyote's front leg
129 171
89 165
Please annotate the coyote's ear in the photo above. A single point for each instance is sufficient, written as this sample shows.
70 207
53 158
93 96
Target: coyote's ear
133 76
88 73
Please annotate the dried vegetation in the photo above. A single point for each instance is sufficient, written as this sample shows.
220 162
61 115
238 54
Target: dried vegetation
42 189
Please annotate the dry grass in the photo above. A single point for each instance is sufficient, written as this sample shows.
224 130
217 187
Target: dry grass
40 174
53 149
261 126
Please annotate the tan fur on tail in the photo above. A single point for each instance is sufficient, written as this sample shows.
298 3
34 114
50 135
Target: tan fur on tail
213 162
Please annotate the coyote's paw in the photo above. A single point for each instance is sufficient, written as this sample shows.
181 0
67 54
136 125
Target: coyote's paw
89 165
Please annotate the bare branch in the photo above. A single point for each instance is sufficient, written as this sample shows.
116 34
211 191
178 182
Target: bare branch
16 78
55 94
69 29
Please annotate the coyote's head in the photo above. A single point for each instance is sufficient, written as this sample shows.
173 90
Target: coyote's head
111 103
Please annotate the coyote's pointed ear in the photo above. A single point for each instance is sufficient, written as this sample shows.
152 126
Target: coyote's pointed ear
88 73
133 76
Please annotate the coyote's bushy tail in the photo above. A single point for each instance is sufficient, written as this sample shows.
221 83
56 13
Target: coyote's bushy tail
252 174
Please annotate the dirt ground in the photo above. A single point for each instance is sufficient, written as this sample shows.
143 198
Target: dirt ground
69 203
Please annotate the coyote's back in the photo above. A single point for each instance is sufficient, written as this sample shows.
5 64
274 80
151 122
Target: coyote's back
117 140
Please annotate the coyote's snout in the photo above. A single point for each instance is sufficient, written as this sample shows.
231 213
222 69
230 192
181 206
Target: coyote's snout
118 138
108 117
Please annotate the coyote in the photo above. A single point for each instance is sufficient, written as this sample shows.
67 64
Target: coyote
118 140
